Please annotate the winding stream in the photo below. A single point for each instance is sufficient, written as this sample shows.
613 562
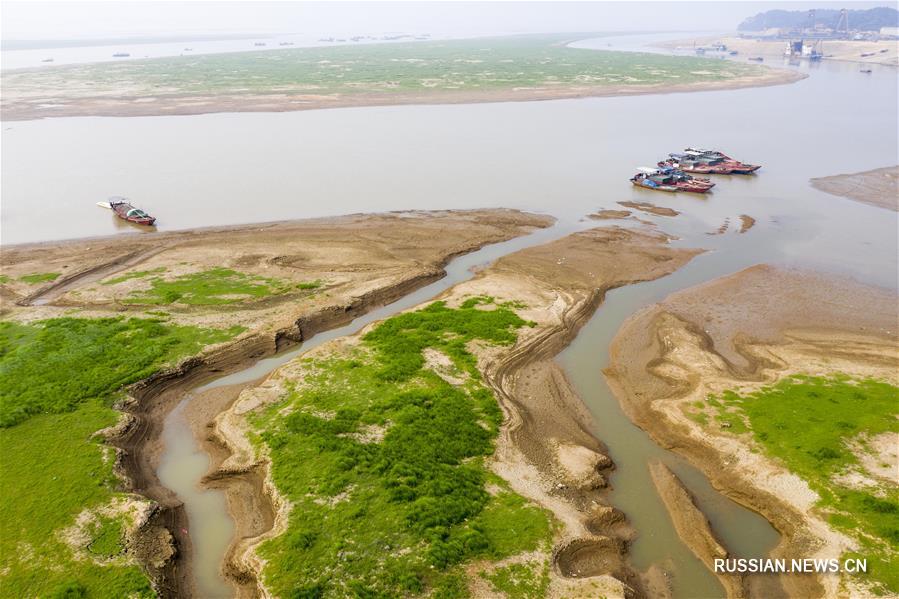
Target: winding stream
566 157
183 463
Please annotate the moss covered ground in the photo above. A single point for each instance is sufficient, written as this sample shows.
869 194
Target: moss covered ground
213 287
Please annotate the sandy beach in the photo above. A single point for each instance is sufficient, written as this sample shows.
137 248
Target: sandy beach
879 187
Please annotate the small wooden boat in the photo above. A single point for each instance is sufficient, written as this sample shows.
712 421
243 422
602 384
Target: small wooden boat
124 210
681 179
670 180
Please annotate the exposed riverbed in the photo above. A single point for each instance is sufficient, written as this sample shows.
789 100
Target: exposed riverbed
568 158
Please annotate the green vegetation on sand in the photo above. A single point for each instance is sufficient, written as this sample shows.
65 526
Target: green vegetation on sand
39 277
383 463
58 381
448 66
819 427
213 287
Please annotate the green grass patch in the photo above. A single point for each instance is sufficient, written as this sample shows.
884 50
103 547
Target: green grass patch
4 279
212 287
52 470
445 66
138 274
383 462
58 379
107 537
39 277
54 365
735 423
698 417
158 313
808 423
527 580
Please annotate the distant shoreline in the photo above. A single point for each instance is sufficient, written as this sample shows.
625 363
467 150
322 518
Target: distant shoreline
124 106
49 44
838 50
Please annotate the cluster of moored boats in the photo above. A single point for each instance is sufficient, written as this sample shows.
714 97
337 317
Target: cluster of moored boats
676 173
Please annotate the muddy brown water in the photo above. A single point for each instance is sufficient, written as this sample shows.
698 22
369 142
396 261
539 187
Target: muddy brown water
568 158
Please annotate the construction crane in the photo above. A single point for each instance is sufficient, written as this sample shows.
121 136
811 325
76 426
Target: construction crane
843 23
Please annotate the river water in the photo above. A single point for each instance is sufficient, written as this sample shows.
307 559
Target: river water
566 158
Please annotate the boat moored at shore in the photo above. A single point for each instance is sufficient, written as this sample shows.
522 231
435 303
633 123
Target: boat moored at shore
697 160
128 212
671 180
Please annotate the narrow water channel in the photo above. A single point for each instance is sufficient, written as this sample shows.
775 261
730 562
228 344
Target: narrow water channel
183 463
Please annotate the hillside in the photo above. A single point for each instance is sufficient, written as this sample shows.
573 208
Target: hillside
863 20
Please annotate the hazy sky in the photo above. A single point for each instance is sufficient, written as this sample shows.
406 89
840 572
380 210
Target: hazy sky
34 19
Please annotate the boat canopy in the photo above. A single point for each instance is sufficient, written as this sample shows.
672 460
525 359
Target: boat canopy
137 213
648 170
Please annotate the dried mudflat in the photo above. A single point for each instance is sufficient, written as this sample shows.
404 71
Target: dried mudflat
545 451
692 525
742 333
878 187
650 208
306 266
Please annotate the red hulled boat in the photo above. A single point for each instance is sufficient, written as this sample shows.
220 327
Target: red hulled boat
126 211
711 162
671 180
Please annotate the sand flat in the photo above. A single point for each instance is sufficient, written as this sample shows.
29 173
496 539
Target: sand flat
878 187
